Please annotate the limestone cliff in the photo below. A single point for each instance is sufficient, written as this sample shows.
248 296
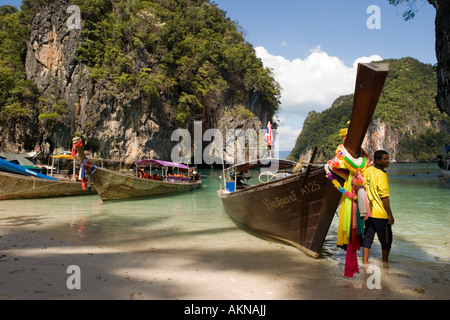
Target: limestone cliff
52 65
127 123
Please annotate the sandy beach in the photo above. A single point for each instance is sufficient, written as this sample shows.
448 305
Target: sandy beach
34 264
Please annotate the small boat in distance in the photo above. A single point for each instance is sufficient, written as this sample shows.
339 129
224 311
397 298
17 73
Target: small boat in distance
113 185
298 209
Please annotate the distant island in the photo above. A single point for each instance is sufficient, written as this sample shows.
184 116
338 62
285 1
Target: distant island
406 122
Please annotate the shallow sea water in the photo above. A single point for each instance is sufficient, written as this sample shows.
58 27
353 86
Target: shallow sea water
419 200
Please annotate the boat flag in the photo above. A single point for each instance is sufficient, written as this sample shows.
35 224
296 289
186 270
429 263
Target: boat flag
268 135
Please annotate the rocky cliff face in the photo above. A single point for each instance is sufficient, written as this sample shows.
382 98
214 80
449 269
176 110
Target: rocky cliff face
51 64
116 125
116 128
442 23
380 136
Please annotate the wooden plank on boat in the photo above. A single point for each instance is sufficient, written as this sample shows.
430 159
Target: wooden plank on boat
369 84
310 164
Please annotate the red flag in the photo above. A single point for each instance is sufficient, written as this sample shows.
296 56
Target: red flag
268 135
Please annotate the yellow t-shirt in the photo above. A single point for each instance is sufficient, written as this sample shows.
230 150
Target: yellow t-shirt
377 187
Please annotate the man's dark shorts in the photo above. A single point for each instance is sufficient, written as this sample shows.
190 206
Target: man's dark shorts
383 230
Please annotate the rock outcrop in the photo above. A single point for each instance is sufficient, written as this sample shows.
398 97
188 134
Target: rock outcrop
52 65
442 24
115 125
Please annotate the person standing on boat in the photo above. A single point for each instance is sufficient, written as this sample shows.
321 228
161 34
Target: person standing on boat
377 187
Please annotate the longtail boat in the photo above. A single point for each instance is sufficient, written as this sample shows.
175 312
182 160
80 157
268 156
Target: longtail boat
114 185
17 182
298 209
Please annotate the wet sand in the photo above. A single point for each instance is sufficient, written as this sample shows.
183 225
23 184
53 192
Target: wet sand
34 264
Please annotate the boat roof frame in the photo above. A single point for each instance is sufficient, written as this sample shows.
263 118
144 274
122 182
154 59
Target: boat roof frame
264 163
160 164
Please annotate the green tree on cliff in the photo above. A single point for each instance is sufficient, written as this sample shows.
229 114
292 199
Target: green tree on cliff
194 53
17 94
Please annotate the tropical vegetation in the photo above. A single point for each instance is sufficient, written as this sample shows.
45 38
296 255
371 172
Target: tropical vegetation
186 51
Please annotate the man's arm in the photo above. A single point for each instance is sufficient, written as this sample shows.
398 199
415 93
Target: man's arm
387 207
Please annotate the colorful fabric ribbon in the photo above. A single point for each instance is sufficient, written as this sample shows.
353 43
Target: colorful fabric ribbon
82 174
354 202
78 144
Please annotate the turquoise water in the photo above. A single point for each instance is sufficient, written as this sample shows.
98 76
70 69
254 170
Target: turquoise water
419 200
421 246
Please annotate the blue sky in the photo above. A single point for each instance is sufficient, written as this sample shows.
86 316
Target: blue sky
291 28
312 47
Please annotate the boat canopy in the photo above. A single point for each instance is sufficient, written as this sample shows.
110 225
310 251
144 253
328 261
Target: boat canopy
264 163
18 169
20 159
160 164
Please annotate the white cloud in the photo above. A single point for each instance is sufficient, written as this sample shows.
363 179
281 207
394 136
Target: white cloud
309 84
313 83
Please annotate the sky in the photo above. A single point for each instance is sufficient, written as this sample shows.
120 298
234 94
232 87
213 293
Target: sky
313 46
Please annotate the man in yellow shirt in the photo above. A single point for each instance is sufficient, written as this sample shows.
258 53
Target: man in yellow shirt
377 187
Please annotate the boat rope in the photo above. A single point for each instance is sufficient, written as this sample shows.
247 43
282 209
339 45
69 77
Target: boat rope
274 176
308 163
300 165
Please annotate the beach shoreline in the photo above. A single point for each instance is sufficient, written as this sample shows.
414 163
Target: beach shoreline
35 261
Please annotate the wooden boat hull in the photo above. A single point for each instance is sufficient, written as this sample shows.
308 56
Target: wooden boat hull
15 186
112 185
291 209
299 209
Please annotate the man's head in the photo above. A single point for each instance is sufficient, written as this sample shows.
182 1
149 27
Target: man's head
381 158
